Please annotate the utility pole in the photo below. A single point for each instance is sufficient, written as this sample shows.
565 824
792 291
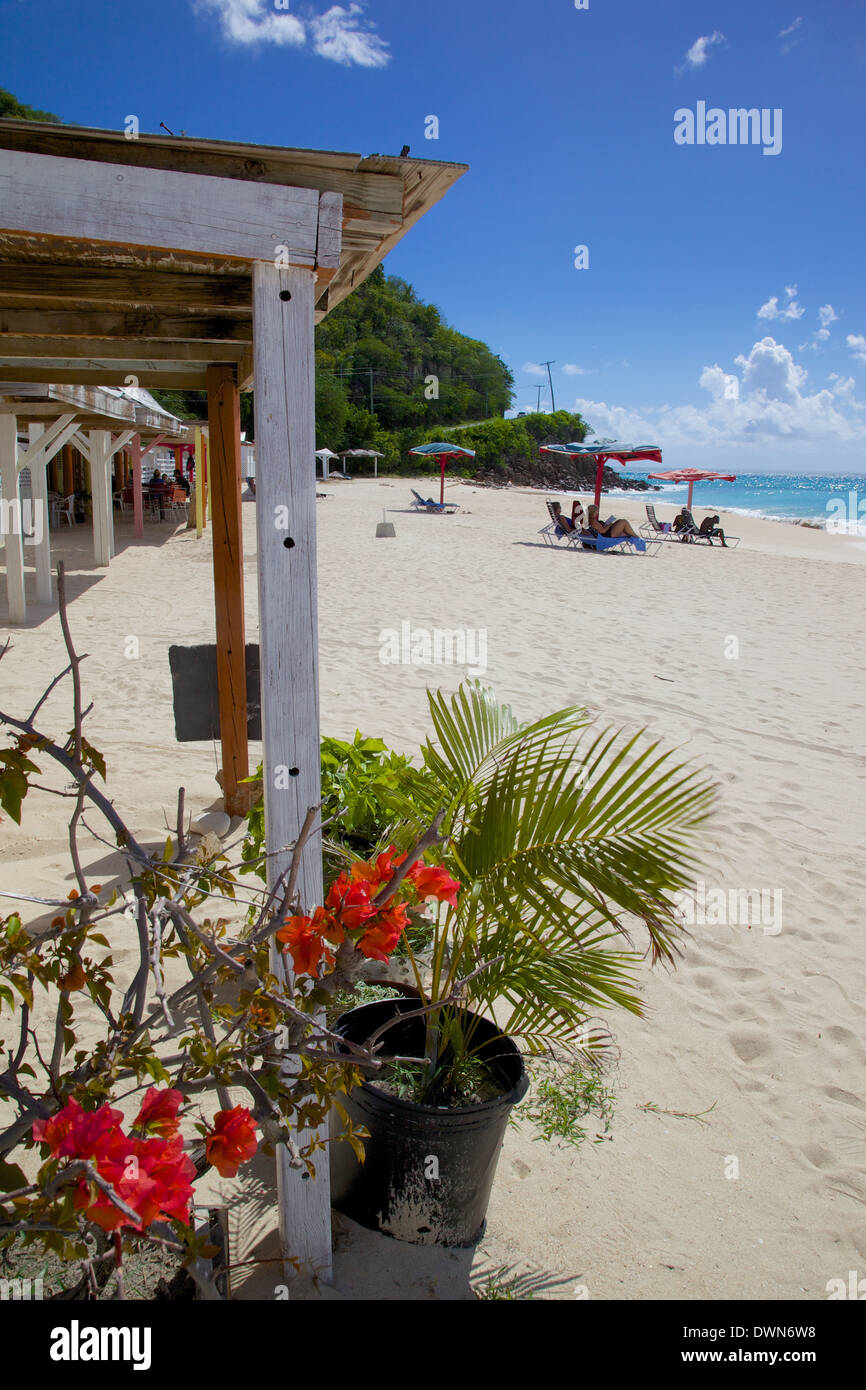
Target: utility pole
538 399
372 411
548 365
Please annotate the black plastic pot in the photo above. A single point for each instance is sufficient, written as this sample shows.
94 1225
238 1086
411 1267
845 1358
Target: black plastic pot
428 1171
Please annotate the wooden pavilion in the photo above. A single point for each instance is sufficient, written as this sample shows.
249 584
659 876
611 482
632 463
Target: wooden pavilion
196 264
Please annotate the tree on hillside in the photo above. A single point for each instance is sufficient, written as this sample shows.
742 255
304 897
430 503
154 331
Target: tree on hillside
11 106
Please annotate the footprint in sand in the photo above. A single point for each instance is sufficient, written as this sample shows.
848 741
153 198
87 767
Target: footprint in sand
750 1046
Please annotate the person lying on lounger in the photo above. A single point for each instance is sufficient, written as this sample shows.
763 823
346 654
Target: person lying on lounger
614 529
710 527
577 521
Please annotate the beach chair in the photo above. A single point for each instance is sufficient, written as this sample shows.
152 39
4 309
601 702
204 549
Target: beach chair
583 540
427 504
694 533
653 529
554 533
178 503
66 510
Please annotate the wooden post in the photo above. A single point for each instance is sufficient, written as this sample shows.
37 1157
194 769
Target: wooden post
204 478
137 495
100 492
10 517
224 429
39 493
283 353
199 486
68 471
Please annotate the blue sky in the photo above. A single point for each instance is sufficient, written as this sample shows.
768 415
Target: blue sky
723 310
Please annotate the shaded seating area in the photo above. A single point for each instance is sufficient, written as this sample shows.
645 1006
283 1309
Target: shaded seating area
705 533
653 529
560 529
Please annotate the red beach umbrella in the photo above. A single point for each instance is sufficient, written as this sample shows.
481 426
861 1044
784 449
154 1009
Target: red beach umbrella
604 450
692 476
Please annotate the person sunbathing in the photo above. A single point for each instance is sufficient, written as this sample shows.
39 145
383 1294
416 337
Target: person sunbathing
710 527
614 529
575 523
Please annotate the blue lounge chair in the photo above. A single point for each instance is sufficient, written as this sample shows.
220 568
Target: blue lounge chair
427 504
555 532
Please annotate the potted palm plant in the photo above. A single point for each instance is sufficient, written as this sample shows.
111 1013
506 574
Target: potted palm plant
562 842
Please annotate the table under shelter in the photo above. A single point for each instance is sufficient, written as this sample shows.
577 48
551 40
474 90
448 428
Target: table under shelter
205 265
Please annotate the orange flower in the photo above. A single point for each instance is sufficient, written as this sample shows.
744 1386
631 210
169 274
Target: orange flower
351 902
304 941
232 1140
435 882
382 935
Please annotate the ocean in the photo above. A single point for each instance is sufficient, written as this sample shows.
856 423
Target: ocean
836 502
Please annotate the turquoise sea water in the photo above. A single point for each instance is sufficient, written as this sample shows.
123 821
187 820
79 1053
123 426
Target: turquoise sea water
837 502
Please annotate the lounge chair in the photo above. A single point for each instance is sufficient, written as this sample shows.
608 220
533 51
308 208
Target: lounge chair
427 504
653 529
554 532
693 532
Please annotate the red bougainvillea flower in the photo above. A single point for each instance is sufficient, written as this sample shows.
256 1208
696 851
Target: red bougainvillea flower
383 933
350 900
158 1113
304 940
434 882
232 1141
152 1176
77 1133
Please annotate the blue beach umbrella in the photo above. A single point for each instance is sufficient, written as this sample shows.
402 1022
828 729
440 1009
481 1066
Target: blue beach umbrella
443 452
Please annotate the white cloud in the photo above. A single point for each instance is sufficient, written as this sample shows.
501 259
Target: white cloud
826 315
338 34
572 369
768 401
857 343
534 369
790 36
699 52
791 310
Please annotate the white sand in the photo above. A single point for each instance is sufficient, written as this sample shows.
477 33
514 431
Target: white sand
767 1028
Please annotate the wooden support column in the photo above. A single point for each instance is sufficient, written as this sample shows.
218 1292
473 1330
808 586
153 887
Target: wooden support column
100 492
39 493
10 519
137 496
199 486
283 351
224 428
68 471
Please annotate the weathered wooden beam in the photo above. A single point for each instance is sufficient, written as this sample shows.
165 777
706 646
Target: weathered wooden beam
187 377
199 485
47 443
133 290
286 528
150 326
46 348
12 529
224 437
64 197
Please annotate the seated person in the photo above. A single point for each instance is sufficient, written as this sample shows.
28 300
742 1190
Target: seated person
710 527
684 524
575 523
180 481
614 529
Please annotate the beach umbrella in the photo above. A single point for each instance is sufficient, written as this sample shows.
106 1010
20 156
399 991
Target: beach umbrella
326 455
692 476
603 450
363 454
443 452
